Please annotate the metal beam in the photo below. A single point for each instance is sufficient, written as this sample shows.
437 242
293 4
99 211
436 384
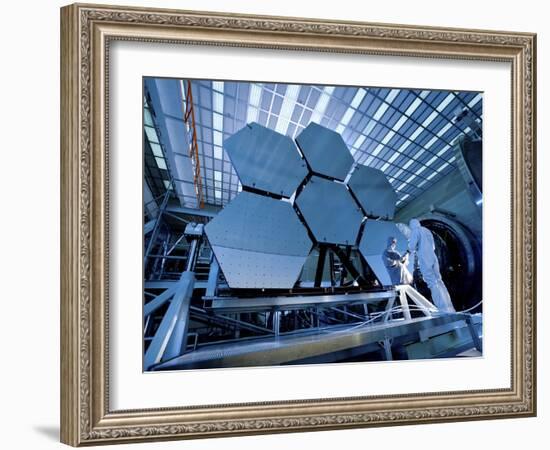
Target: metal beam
219 320
320 265
156 228
191 211
182 297
475 336
213 275
166 284
404 305
148 227
288 349
346 261
171 335
386 344
347 313
235 304
158 301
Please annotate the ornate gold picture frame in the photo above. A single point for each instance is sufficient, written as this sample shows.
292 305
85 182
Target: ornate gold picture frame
87 31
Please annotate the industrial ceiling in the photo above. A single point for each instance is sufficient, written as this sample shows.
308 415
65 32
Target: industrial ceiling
406 133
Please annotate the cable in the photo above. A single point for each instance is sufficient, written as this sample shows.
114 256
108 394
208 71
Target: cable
472 307
397 308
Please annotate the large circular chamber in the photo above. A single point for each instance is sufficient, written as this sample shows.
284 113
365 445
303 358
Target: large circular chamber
460 260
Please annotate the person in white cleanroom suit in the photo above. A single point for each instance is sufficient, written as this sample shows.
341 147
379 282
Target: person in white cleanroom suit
396 264
421 241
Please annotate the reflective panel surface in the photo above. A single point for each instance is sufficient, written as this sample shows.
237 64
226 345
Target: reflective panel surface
266 160
329 211
325 151
259 242
373 191
374 242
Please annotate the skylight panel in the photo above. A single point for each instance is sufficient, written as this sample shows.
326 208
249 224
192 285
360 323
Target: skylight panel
156 149
408 164
420 170
151 134
217 120
161 163
345 120
474 101
358 98
443 150
431 141
254 103
218 86
289 102
391 96
217 96
388 136
407 181
147 118
380 111
386 104
444 129
438 135
322 104
218 138
255 94
445 102
369 127
375 152
399 172
416 133
359 141
393 157
430 119
433 158
399 123
413 106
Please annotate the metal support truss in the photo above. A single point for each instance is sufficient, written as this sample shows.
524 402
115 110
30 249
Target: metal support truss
156 228
171 336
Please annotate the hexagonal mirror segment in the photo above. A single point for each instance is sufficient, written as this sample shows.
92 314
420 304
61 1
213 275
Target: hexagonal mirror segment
374 241
373 191
325 151
266 160
259 242
329 211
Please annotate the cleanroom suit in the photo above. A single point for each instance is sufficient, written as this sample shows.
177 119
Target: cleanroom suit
421 241
396 264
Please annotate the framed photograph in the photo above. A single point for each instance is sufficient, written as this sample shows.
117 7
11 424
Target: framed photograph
277 224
